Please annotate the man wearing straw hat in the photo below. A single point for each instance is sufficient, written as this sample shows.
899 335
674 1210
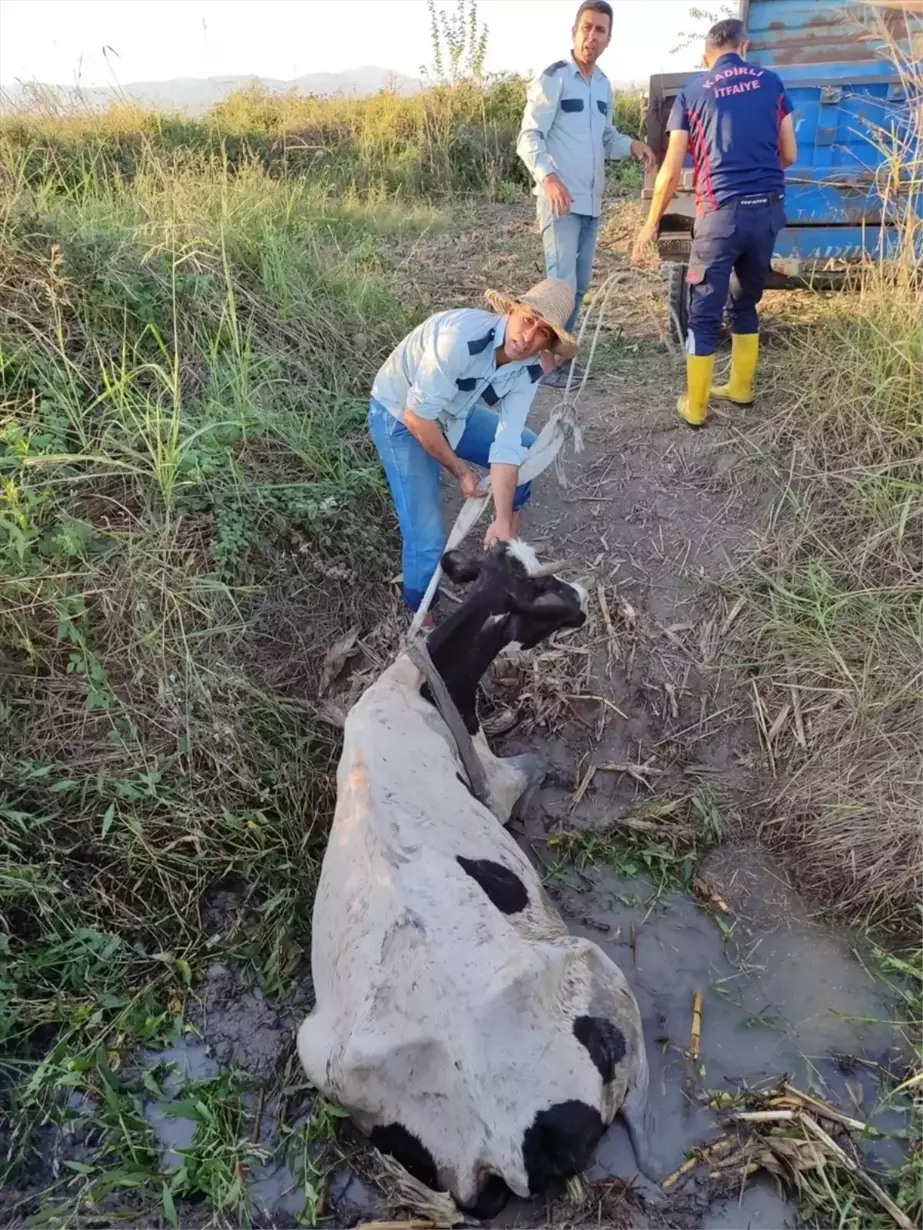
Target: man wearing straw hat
456 392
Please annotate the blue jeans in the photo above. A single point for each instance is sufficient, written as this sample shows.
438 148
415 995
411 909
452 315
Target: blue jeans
413 476
570 245
731 250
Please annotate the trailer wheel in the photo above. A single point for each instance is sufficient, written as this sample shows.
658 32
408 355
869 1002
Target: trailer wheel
678 296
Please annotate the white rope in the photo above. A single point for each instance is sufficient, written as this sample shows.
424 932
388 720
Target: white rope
545 449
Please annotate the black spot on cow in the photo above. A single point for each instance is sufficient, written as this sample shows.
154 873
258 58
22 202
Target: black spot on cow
605 1042
409 1150
502 886
492 1199
560 1143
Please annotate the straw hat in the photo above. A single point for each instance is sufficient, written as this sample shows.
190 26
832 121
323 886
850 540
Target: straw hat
553 299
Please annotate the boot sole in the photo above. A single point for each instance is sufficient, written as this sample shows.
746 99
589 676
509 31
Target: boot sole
744 405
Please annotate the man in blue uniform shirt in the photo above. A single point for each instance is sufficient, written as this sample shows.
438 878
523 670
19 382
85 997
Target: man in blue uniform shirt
566 134
736 120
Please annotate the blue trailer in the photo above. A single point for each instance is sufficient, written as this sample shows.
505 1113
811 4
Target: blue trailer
851 107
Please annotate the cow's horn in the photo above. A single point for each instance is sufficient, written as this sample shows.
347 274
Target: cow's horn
548 570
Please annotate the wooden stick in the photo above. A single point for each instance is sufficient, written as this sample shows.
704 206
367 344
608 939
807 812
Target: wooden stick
583 786
695 1041
764 1116
689 1164
397 1225
901 1219
822 1109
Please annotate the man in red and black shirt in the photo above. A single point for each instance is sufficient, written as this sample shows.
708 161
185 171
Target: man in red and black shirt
736 121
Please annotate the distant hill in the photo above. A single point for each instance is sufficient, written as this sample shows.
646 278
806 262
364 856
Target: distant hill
194 95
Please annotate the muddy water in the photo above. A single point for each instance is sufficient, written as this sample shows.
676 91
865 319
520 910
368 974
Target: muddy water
782 995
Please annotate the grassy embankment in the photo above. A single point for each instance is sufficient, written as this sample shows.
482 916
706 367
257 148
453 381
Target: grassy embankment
190 314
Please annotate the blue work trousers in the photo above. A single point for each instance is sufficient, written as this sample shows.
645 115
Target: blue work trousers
731 251
570 245
413 476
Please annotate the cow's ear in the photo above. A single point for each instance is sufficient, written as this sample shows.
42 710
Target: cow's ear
459 567
547 605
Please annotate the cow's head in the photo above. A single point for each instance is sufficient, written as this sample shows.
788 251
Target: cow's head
512 601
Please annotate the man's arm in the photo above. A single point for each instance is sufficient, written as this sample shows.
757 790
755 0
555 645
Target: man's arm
617 145
507 455
542 100
665 186
504 479
441 364
788 146
428 433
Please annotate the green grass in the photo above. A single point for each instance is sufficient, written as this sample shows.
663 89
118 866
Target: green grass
444 141
184 365
661 839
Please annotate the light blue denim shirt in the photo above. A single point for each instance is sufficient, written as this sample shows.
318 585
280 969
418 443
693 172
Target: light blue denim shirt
567 129
448 365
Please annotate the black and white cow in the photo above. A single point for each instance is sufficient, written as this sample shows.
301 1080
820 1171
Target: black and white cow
457 1021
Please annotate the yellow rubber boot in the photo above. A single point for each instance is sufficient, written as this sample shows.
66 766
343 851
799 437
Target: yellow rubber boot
693 405
745 353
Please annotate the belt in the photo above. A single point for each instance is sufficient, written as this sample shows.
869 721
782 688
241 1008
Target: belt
763 199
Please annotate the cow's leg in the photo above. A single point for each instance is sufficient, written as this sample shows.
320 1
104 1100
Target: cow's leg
636 1114
314 1050
512 780
533 769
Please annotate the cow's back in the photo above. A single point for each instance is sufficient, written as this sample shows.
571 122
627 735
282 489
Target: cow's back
451 1000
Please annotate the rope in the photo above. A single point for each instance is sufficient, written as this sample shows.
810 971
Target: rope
545 450
448 711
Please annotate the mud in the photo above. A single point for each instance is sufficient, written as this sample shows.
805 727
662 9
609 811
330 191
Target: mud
244 1028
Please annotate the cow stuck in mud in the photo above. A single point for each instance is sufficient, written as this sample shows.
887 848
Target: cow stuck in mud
465 1031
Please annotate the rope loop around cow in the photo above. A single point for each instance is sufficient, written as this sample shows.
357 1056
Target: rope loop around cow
545 450
448 711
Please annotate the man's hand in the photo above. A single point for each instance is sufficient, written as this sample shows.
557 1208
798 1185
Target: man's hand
643 152
498 531
469 483
646 236
561 199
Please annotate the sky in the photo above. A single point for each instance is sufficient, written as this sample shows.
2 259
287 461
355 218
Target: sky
62 42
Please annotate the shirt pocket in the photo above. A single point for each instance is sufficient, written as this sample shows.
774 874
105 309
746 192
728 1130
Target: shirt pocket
572 118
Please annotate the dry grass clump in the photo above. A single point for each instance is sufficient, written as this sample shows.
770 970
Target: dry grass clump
812 1150
836 592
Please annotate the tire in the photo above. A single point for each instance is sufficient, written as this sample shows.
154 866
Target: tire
678 295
